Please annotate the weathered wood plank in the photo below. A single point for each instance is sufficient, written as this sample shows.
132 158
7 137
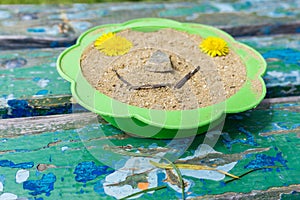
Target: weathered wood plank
31 86
282 55
31 72
72 152
285 192
58 25
49 123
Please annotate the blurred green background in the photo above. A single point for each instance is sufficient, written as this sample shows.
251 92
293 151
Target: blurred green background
69 1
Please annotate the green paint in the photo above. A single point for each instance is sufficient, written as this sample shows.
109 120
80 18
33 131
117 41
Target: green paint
46 148
39 73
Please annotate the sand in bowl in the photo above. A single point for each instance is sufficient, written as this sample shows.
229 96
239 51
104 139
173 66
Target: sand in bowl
164 69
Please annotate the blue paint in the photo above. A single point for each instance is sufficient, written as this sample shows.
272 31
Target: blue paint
42 92
54 44
262 160
81 25
242 5
2 178
295 126
14 63
8 163
20 108
236 117
36 30
222 184
36 198
22 150
249 140
288 56
36 79
87 171
181 12
98 187
160 178
266 30
15 103
44 185
86 14
62 179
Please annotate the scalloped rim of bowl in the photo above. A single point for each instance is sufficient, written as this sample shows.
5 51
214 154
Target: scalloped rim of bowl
101 104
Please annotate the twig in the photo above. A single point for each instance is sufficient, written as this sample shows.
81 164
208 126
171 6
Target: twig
140 87
250 171
173 166
180 83
121 78
149 86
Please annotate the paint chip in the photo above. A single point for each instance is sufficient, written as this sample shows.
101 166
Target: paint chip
8 196
64 148
22 175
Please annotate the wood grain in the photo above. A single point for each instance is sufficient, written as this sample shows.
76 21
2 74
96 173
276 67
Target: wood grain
272 193
60 144
52 148
40 124
37 89
29 26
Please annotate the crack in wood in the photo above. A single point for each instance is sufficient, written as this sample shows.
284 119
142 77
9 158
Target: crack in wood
271 193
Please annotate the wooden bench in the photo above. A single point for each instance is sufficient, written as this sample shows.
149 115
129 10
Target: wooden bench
52 148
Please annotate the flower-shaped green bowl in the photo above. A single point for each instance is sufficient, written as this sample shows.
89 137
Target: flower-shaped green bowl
143 122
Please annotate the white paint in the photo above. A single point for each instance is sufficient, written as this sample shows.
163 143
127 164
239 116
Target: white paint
8 196
223 7
22 175
202 151
134 165
192 17
3 101
4 14
137 165
281 76
43 83
209 174
1 187
64 148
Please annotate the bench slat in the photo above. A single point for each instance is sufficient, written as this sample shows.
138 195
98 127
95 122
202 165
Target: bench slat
39 90
23 26
65 144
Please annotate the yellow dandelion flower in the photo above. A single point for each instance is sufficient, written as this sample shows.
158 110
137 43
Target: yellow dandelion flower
103 38
112 45
214 46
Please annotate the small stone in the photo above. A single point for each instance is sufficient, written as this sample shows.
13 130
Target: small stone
159 62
